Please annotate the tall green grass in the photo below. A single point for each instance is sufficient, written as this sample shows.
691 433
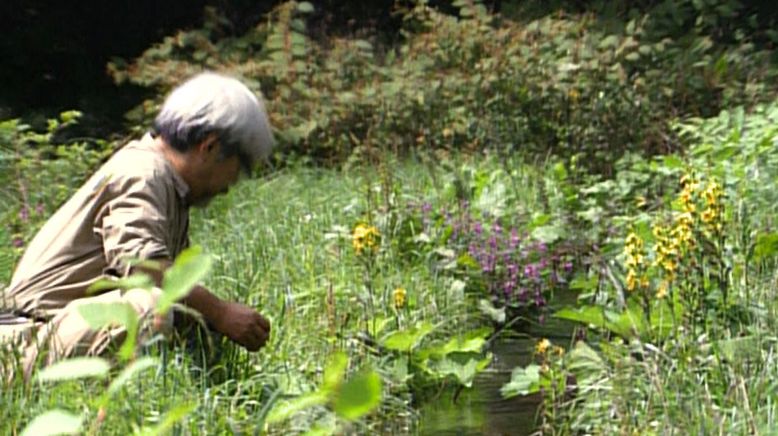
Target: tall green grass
282 244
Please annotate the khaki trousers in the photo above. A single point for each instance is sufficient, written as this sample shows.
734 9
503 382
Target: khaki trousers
68 334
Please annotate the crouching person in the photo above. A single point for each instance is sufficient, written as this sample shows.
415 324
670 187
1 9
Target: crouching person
136 206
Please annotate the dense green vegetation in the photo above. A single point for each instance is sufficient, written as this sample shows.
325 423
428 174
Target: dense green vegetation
429 192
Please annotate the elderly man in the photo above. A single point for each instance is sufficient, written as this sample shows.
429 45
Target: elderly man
136 206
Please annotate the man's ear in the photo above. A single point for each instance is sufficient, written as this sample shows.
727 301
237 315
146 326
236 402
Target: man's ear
209 145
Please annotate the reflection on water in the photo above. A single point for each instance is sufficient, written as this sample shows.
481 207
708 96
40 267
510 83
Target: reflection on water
482 410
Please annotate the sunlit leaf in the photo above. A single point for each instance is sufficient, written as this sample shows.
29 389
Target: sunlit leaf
131 371
99 315
305 7
171 418
585 363
75 368
495 314
334 372
406 340
766 246
524 381
470 342
285 409
191 266
548 234
591 315
53 422
358 396
135 281
464 372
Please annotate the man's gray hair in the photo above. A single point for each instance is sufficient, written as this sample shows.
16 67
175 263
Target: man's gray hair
211 103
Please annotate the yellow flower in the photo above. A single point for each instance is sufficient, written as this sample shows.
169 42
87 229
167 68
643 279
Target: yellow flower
559 351
635 261
662 291
365 237
542 346
632 280
574 95
399 297
708 216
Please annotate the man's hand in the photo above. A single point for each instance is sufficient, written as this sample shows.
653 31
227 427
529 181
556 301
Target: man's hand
243 325
240 323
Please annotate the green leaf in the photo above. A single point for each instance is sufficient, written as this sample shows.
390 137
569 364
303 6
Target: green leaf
131 371
591 315
766 246
75 368
548 234
378 325
53 422
524 381
190 267
285 409
495 314
582 283
470 342
407 340
585 363
334 372
739 349
358 396
305 7
171 418
363 45
99 315
135 281
464 372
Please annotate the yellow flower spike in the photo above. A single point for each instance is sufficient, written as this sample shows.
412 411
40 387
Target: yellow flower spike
632 280
542 346
399 297
662 291
363 237
559 351
644 282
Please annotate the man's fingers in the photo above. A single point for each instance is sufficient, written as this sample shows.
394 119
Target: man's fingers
264 323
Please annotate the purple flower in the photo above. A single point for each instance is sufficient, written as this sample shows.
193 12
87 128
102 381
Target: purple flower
426 208
489 263
478 228
496 228
514 241
513 271
531 271
493 243
568 267
18 242
39 208
24 214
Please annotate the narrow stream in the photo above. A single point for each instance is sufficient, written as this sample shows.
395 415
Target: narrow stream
481 410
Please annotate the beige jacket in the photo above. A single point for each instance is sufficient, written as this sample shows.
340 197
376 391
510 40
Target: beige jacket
133 207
